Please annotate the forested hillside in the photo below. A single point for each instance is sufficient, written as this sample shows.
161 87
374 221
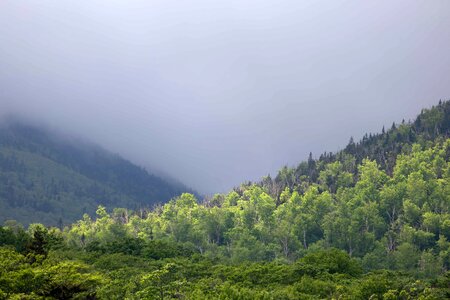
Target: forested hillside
48 179
369 222
383 148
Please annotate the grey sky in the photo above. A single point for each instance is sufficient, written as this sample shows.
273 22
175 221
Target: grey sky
217 92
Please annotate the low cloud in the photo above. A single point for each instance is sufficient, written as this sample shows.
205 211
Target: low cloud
215 93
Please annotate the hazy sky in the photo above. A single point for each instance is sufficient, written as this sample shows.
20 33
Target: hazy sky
217 92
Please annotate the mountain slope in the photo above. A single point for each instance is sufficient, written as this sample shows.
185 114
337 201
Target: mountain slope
348 227
430 125
48 179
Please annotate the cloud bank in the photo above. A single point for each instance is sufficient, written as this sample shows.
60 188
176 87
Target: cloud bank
217 92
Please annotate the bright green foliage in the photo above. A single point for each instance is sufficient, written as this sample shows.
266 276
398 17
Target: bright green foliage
63 280
161 284
311 245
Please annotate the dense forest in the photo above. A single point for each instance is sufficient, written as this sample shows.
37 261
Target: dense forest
54 180
369 222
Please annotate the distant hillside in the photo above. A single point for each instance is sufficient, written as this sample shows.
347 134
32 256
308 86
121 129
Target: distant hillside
51 180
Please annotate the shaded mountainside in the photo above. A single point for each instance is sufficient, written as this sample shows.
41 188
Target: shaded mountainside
47 179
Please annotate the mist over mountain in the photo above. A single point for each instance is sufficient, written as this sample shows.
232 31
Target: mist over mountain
238 149
54 179
371 221
214 93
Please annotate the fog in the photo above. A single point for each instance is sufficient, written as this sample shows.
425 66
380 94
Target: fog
213 93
